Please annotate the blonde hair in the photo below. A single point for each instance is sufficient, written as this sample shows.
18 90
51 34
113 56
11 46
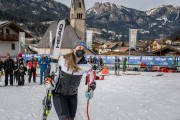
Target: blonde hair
70 61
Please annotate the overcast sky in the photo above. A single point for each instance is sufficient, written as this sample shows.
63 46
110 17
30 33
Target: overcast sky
137 4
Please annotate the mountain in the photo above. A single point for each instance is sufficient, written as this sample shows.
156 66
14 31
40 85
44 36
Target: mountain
113 21
32 12
157 22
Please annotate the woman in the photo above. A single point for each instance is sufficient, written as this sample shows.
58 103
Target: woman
15 71
117 65
72 67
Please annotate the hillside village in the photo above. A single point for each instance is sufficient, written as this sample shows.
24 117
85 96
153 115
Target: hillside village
157 47
76 29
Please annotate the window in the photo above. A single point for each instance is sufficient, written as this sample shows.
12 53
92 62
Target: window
79 16
7 31
1 30
80 4
13 46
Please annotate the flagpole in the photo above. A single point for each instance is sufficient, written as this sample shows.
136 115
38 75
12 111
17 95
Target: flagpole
50 40
129 46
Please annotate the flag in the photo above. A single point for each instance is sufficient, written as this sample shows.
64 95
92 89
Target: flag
132 38
89 36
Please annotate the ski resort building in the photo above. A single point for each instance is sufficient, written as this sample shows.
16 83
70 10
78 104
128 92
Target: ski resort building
9 38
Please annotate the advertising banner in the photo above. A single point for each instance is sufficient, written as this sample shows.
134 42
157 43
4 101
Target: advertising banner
133 60
89 37
132 38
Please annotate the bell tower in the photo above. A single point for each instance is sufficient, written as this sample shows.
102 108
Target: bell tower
78 18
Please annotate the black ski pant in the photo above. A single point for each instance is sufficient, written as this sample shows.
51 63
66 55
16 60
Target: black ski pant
7 73
117 69
20 78
65 106
32 72
16 77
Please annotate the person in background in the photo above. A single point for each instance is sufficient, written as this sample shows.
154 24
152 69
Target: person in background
49 58
117 65
100 63
15 71
32 64
90 59
1 70
43 63
27 66
94 60
124 64
21 70
8 68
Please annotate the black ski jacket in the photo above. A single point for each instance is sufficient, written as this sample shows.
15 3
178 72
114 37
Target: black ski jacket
8 65
68 81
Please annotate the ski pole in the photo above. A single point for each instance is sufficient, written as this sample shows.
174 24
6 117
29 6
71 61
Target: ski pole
87 106
87 109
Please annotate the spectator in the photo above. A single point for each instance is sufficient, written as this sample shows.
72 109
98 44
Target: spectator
49 58
21 70
94 60
90 59
32 64
8 68
43 63
15 71
100 63
124 64
117 65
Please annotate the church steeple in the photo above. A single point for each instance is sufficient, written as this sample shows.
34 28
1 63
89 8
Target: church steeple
78 18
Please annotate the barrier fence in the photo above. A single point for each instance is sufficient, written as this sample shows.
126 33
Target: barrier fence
132 60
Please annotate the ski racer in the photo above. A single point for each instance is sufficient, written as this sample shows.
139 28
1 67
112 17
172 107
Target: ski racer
64 88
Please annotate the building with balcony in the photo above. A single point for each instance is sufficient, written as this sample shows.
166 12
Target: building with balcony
9 38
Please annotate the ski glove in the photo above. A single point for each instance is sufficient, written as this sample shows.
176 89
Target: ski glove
93 85
89 94
49 83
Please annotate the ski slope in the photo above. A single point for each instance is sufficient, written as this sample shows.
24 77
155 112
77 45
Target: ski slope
130 97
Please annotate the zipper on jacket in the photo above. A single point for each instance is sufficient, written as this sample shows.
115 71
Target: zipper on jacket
69 84
59 80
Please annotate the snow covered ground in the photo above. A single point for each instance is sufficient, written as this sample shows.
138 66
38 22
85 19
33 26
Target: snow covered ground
130 97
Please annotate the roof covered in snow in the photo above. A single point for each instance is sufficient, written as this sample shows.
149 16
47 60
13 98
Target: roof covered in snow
69 36
15 27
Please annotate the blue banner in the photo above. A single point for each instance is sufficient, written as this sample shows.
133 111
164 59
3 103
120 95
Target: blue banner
148 60
160 61
132 60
